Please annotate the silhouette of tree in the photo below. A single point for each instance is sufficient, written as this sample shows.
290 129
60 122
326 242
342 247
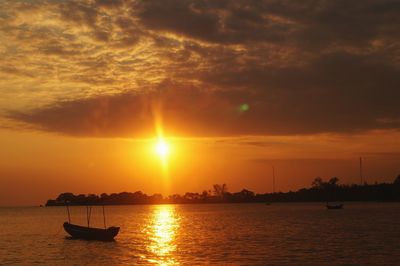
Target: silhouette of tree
103 196
317 183
92 199
156 198
220 190
191 196
65 197
175 198
320 191
244 195
205 195
333 182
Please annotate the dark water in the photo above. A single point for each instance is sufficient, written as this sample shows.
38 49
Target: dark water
233 234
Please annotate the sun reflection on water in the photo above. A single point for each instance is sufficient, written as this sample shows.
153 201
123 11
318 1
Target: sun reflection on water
163 228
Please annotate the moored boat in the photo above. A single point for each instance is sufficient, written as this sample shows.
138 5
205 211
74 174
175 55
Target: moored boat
89 233
334 206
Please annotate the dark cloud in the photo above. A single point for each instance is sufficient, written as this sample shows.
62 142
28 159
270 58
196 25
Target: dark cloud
177 16
109 3
311 24
226 22
181 112
79 12
335 92
319 99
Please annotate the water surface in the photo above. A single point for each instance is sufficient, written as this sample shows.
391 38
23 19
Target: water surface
233 234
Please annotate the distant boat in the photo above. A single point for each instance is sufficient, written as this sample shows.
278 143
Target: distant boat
88 233
334 205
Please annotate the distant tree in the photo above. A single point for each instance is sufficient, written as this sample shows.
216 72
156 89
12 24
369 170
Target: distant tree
156 198
104 198
205 195
190 196
92 199
333 182
220 190
321 191
317 183
81 199
66 197
244 195
175 198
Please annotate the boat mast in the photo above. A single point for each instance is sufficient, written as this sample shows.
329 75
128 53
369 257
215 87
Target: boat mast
104 218
361 173
88 213
69 216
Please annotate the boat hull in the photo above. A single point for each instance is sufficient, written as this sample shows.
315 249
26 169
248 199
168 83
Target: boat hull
334 207
82 232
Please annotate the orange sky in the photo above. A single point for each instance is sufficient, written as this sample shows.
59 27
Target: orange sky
37 166
236 87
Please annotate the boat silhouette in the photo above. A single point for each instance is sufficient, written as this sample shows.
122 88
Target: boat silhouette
334 205
90 233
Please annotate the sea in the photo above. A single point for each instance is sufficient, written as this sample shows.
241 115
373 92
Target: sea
207 234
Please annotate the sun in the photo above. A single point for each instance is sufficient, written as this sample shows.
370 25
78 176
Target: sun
162 148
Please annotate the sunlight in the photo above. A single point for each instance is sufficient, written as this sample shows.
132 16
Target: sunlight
162 148
162 231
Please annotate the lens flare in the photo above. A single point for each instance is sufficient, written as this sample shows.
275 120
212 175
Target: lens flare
243 108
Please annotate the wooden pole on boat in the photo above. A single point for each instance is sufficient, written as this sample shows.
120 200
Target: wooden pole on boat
69 216
88 213
104 218
361 173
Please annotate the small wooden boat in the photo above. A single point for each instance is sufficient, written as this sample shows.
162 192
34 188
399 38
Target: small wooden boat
334 206
88 233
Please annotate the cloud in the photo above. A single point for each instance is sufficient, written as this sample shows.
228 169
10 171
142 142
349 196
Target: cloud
192 113
309 23
302 67
197 112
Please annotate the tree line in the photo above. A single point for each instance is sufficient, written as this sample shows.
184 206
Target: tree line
320 190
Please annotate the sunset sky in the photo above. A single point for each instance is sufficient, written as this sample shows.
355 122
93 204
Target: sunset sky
233 87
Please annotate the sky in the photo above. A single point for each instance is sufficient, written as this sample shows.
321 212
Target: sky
234 87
